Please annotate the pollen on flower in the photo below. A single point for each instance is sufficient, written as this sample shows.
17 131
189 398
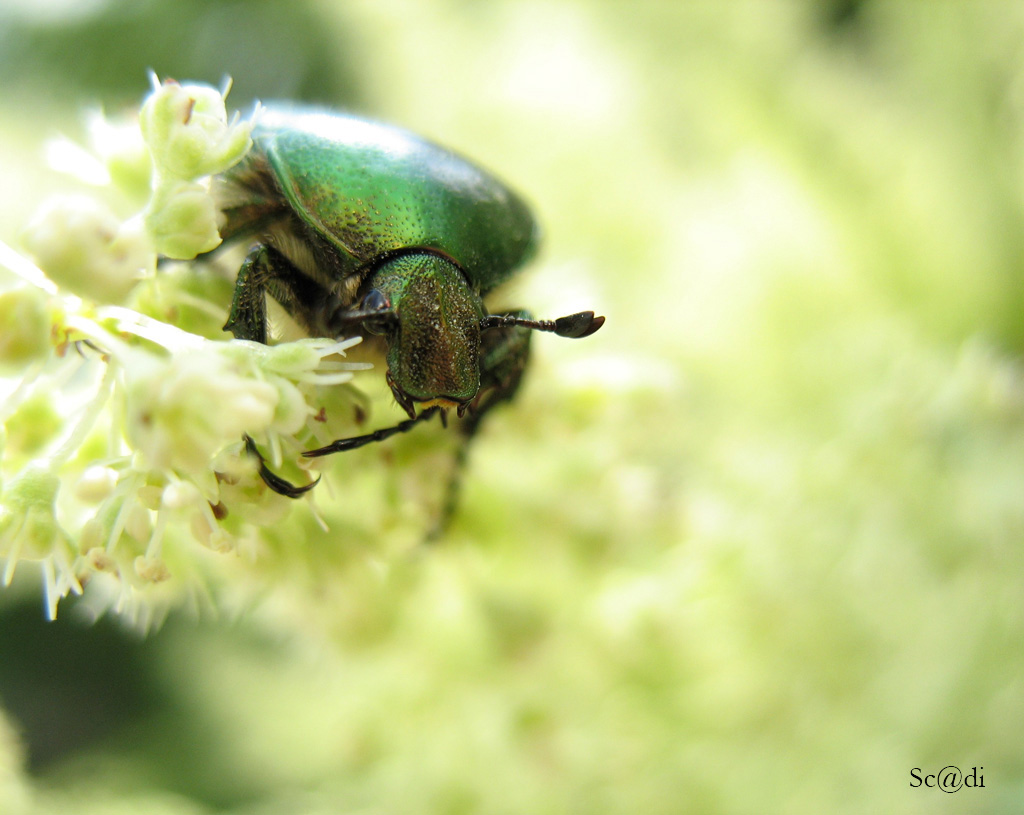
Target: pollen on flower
100 560
152 570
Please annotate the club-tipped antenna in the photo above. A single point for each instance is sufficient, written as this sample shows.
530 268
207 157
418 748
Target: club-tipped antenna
574 326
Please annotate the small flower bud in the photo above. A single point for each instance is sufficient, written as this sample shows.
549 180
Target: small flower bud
182 219
86 249
35 488
34 424
28 523
95 484
24 326
121 148
186 129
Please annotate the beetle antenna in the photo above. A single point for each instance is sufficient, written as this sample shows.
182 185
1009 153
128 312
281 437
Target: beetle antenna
580 324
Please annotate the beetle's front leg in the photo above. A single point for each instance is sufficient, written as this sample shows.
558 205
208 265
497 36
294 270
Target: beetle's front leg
263 267
247 319
266 270
271 479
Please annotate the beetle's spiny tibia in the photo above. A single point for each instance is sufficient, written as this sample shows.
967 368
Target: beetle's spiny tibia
574 326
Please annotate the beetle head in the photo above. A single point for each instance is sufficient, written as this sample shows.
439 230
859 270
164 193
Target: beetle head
431 322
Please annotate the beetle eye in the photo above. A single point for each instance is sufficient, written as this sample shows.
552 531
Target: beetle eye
376 301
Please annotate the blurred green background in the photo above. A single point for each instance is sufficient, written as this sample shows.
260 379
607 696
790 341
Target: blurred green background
754 547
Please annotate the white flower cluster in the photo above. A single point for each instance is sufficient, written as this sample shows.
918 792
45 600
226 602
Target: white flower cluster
181 139
121 436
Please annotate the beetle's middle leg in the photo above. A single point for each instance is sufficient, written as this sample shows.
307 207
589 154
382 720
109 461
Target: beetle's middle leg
504 353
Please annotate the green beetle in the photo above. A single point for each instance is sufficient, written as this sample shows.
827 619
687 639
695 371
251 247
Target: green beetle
365 228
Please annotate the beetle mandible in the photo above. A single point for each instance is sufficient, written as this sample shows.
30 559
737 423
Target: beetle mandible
361 227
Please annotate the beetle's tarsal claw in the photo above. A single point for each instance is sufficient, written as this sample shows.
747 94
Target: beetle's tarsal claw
274 481
581 324
444 418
